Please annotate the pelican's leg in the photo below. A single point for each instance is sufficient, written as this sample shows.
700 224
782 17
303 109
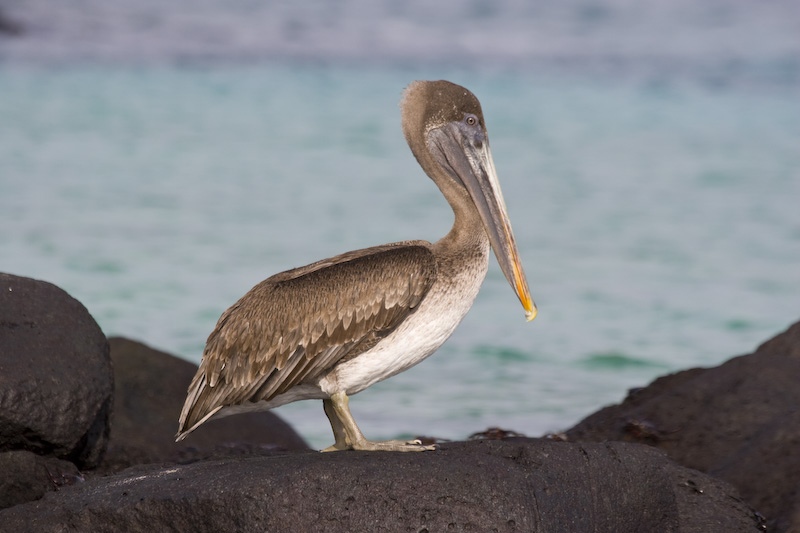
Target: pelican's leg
338 429
338 409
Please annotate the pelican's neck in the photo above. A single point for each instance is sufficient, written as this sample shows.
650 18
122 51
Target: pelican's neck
468 230
467 237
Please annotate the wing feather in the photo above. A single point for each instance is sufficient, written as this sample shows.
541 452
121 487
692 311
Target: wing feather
296 325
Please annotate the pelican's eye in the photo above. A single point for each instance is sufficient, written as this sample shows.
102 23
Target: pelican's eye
472 130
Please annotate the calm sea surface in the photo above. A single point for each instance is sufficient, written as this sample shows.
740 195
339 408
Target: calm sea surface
158 161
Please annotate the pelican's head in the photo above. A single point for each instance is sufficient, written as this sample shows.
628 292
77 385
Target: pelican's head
443 124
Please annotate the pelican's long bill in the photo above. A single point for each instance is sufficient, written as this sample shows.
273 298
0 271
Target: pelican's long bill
462 149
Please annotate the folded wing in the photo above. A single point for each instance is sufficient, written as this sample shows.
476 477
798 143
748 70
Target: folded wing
296 325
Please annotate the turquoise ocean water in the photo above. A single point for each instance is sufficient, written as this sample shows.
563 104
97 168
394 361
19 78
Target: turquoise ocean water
157 162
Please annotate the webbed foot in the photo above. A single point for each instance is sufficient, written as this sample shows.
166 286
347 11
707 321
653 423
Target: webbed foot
349 437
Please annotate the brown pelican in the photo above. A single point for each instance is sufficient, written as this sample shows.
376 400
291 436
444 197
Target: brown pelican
333 328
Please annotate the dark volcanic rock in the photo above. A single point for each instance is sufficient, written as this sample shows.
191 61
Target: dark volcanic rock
520 485
739 421
27 476
56 381
150 391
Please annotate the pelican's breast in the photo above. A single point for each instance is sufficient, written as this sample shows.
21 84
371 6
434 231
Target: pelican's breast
423 332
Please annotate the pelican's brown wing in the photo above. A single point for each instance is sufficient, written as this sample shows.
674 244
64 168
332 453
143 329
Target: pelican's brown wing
297 324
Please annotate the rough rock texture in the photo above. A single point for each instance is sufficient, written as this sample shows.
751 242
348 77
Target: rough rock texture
521 485
150 391
56 382
739 421
25 476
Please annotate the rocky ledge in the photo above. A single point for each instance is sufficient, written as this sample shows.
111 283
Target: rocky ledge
518 485
86 444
